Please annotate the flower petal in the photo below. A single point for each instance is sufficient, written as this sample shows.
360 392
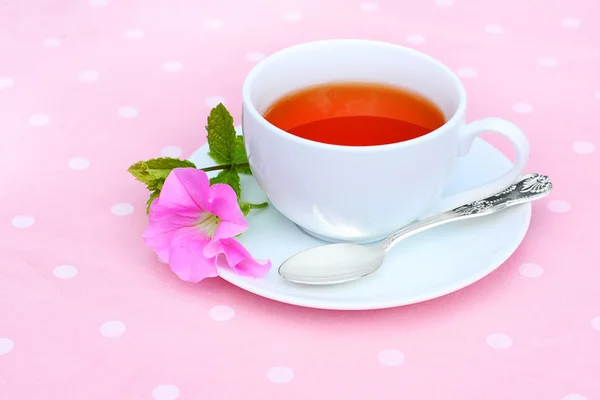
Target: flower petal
165 224
212 249
165 219
224 204
227 230
185 187
160 241
188 262
240 260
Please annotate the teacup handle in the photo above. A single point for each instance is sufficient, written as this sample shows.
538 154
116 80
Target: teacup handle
467 134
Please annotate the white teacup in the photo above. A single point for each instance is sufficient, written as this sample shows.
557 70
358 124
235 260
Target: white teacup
362 194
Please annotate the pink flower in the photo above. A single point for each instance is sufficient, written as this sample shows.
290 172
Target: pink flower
192 225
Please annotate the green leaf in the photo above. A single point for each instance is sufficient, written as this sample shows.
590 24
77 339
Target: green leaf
139 170
244 170
156 184
258 206
240 156
153 196
245 207
221 135
160 168
229 177
154 172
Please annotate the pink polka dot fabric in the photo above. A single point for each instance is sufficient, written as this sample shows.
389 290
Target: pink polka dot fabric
88 87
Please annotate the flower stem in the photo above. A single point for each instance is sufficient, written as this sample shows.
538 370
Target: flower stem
226 166
258 206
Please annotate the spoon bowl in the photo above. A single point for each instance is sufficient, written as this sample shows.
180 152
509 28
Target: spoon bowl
343 262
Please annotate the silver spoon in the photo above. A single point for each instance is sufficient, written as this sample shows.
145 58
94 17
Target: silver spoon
344 262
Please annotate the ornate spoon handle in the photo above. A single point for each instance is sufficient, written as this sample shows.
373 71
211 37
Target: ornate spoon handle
530 187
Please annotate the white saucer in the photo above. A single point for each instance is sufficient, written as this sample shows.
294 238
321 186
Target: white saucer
425 266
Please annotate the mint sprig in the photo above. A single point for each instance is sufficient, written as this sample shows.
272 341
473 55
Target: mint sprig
154 172
221 135
240 158
226 148
229 177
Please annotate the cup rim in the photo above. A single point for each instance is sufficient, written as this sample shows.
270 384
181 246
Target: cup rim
250 108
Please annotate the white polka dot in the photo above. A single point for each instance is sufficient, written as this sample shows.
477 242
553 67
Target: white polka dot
213 23
98 3
128 112
390 357
22 221
523 108
39 120
6 82
547 62
214 101
112 329
280 374
89 75
571 22
165 392
172 66
52 42
292 16
596 323
444 3
597 94
221 313
559 206
574 396
64 271
467 72
369 6
583 147
499 341
171 151
79 163
494 29
415 39
530 270
255 56
134 34
6 345
122 209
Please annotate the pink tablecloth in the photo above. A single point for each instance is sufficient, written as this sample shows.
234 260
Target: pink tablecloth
88 87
